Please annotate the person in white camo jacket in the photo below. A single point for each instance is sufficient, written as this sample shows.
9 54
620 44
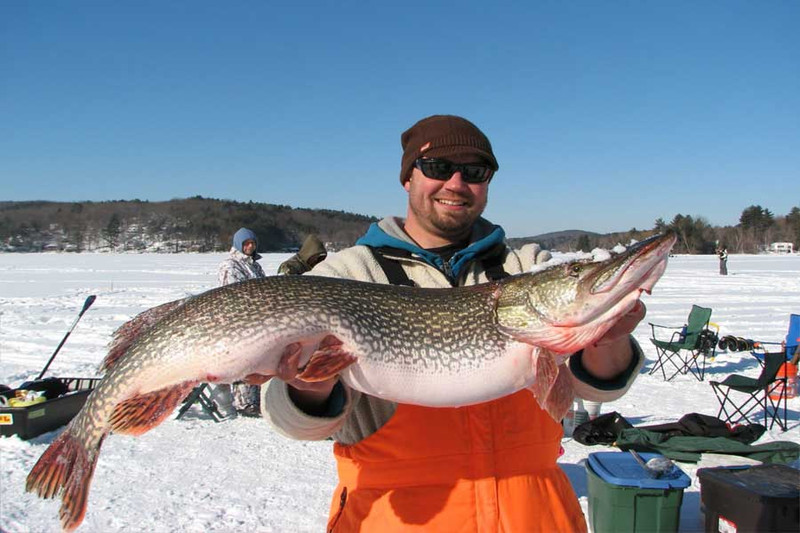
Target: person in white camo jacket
242 264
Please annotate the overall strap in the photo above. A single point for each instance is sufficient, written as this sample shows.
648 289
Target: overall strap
392 269
492 264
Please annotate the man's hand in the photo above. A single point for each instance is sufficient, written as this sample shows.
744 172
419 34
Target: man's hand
309 396
612 354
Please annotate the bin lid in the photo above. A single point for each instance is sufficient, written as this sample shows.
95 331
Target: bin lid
771 481
620 468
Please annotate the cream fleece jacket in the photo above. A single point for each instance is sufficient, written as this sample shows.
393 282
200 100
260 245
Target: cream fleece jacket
361 414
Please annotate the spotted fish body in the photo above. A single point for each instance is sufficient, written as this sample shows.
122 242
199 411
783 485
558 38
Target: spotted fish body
433 347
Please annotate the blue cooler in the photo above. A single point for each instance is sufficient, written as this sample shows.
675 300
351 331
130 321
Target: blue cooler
623 496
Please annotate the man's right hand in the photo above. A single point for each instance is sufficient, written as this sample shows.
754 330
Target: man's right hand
309 396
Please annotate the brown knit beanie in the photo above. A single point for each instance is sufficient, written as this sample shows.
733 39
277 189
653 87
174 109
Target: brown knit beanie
443 136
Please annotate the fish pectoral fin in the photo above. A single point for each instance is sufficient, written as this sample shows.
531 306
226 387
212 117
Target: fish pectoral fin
142 412
327 361
560 396
553 385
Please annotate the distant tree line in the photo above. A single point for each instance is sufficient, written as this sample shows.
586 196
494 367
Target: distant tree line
758 227
191 224
207 224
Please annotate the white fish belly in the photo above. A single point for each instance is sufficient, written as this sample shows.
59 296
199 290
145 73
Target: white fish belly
498 377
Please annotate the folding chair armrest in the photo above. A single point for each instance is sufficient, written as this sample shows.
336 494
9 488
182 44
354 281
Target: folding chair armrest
666 327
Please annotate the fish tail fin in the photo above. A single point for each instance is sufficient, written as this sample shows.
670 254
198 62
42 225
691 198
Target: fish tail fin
141 413
127 333
66 467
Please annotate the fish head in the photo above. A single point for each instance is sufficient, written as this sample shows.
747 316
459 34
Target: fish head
569 305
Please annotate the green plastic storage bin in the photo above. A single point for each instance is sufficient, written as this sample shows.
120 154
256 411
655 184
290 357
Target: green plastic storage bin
623 497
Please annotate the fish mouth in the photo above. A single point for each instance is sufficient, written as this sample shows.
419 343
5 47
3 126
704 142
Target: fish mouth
615 285
648 256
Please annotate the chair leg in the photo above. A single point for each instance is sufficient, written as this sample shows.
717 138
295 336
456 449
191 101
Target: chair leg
697 369
200 395
742 410
776 404
665 357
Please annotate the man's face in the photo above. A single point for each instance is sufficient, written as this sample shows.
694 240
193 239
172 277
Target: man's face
249 247
443 212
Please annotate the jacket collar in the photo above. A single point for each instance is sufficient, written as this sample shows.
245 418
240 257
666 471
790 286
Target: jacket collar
389 232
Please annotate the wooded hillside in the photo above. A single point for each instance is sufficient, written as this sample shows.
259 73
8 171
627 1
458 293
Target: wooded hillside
207 224
192 224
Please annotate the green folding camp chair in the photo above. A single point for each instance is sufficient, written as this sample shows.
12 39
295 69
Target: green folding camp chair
687 347
759 393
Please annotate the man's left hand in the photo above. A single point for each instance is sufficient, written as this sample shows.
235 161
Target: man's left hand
612 354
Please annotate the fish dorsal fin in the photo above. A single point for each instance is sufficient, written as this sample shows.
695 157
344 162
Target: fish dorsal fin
127 333
138 414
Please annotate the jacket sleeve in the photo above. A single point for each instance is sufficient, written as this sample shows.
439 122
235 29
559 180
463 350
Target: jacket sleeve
279 409
590 388
229 272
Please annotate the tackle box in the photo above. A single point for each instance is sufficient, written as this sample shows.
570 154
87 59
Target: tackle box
757 498
31 420
623 496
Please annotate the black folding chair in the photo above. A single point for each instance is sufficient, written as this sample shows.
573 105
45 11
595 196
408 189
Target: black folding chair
755 394
687 347
201 395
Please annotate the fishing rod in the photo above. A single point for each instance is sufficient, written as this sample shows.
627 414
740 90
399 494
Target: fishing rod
86 305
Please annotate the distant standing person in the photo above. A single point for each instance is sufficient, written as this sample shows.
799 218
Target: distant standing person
242 264
723 261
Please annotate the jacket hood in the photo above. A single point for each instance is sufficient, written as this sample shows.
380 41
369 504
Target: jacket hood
244 234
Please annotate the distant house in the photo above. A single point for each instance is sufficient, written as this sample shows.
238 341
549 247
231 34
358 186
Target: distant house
781 248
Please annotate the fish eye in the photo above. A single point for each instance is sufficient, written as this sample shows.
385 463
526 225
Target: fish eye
574 270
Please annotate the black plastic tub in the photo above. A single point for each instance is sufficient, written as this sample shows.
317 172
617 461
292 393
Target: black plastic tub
32 420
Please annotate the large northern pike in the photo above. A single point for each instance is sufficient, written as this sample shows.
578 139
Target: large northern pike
434 347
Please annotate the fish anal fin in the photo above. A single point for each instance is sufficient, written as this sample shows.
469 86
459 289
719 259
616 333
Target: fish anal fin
327 361
139 414
65 465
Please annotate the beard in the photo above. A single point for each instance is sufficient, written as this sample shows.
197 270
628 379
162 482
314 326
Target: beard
452 225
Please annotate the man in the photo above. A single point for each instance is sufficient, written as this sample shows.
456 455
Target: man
240 265
722 253
485 467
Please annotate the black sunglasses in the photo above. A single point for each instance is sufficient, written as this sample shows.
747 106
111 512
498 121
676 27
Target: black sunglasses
443 170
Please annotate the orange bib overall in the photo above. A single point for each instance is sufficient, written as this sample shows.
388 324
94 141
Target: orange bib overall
484 468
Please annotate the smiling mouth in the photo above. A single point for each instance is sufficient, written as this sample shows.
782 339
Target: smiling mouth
451 203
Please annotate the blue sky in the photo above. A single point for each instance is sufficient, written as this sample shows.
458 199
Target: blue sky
604 115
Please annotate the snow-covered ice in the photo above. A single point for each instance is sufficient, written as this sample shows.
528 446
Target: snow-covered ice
197 475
